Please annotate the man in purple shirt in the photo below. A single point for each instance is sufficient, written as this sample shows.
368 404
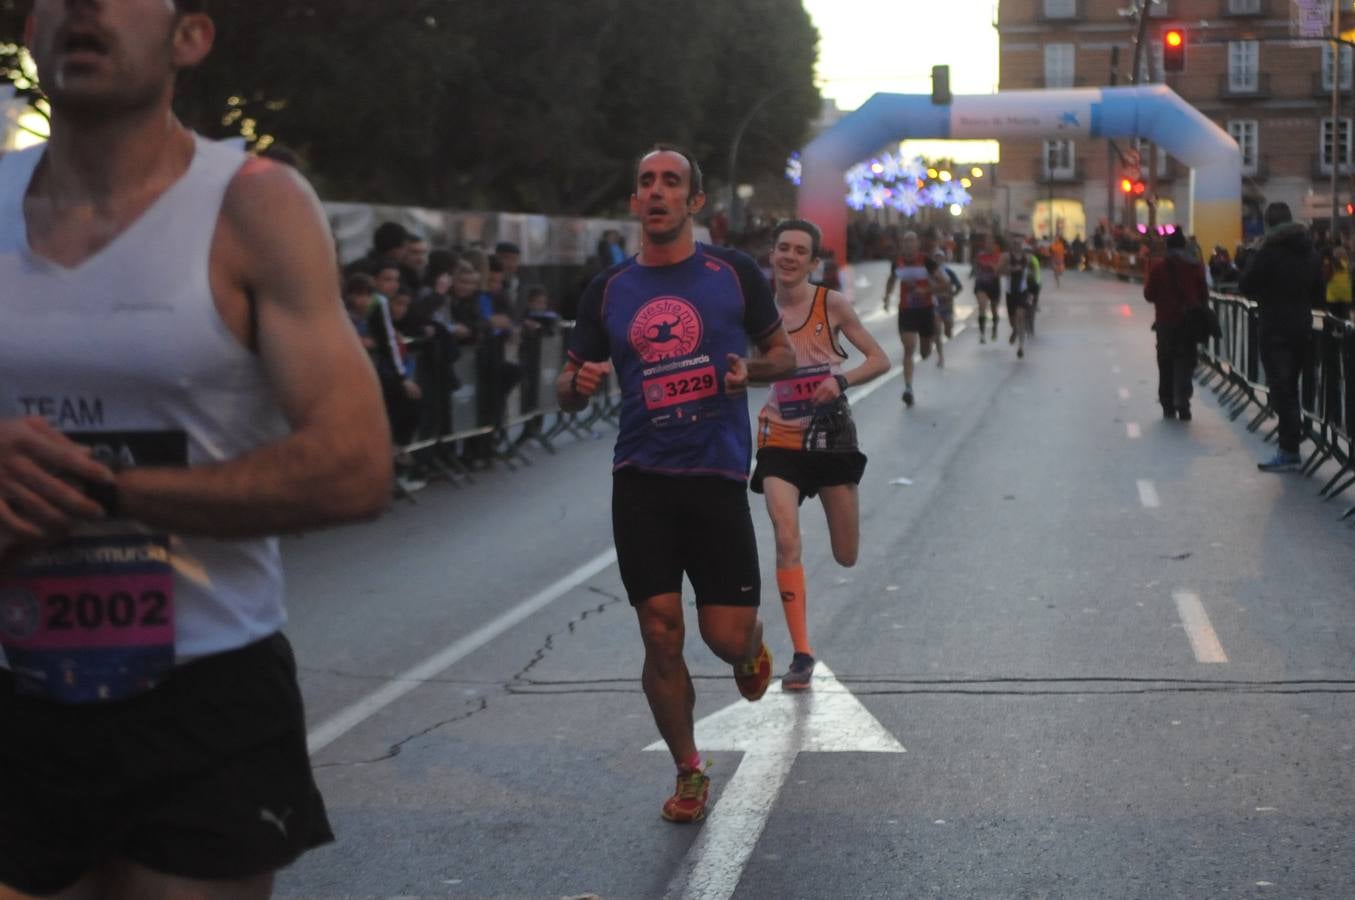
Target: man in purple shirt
676 321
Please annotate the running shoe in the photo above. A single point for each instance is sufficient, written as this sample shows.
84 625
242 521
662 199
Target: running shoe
1184 414
1011 338
688 803
754 676
1281 462
798 675
982 339
1020 353
908 397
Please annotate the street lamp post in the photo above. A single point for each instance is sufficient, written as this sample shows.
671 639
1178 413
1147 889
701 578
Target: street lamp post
734 150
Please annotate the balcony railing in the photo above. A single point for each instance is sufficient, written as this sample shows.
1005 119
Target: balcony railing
1053 13
1240 8
1237 90
1075 175
1322 168
1322 85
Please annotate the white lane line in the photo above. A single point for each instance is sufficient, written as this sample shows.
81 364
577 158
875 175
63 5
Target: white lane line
1115 370
1148 494
338 725
1133 430
1124 393
1203 640
860 392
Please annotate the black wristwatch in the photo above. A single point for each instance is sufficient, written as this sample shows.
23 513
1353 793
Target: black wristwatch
841 382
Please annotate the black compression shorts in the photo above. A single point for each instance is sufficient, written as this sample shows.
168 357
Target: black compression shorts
921 321
204 777
808 470
665 525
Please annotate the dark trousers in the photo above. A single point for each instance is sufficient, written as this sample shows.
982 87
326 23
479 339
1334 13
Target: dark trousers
1285 357
1177 357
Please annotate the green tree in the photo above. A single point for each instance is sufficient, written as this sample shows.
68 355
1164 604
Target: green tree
497 104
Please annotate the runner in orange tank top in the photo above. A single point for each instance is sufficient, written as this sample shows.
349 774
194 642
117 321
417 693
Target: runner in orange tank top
806 438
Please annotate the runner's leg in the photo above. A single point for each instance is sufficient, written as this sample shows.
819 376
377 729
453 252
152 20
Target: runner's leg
842 507
667 683
783 506
939 328
909 339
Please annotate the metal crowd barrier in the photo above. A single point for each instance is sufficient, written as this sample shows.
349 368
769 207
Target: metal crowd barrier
497 398
1231 367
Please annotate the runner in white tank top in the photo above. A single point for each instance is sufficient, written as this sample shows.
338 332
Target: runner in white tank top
178 383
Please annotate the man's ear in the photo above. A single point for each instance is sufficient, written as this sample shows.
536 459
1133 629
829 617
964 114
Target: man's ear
696 203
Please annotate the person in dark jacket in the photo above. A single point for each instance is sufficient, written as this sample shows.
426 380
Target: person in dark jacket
1284 277
1175 283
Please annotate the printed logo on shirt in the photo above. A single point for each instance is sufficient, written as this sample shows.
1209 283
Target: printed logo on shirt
665 328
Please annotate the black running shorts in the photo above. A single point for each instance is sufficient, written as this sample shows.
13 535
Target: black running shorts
921 321
1015 302
204 777
992 289
809 471
666 525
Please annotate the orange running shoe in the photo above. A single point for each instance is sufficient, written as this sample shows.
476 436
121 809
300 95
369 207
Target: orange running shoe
688 803
754 676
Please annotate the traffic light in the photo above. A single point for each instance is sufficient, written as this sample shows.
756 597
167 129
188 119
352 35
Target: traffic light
1133 186
941 85
1174 50
1126 186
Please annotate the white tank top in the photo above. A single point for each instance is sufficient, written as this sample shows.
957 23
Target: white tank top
129 344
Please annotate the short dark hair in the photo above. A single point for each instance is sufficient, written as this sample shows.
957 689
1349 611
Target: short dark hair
696 185
358 283
1278 214
506 247
184 7
389 236
808 227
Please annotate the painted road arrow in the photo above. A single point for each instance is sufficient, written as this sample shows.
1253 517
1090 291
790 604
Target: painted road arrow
771 733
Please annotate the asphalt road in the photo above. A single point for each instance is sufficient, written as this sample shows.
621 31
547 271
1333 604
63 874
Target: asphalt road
1118 657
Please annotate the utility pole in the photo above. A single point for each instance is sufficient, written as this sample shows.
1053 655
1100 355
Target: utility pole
1336 134
1111 180
1144 8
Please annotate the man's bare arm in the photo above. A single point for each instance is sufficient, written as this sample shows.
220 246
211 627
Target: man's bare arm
775 359
335 466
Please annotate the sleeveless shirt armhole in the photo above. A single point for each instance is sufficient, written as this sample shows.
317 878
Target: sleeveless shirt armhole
828 324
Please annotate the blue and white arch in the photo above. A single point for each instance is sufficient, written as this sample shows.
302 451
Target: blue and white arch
1155 112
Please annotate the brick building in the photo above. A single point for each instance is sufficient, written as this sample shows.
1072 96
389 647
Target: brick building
1242 70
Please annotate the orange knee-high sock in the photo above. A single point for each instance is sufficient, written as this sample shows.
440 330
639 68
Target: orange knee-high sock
791 584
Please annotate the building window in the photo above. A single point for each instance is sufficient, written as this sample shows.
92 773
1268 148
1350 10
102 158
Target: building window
1244 131
1060 9
1345 67
1058 159
1058 65
1244 59
1244 7
1342 149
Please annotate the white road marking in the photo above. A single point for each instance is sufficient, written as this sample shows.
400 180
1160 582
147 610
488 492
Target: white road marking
771 733
1133 430
1115 370
1203 640
1148 494
1124 393
346 720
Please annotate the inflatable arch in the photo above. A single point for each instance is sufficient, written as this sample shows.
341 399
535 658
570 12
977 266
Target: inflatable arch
1154 112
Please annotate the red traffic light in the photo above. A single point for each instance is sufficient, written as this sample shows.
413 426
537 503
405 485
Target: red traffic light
1174 50
1138 187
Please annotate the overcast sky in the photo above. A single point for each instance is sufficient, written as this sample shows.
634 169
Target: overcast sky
870 46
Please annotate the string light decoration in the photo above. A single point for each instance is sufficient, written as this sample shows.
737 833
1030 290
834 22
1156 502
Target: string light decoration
898 182
904 184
